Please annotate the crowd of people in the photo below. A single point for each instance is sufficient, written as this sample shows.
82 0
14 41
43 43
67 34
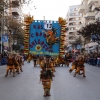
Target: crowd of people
93 59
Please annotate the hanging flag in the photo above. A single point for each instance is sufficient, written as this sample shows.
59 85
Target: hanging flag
4 38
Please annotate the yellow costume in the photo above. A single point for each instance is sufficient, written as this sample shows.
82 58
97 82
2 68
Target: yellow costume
10 66
80 66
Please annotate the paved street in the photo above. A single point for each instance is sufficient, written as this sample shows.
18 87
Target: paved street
26 86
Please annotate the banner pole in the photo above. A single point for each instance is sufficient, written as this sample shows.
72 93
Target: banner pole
1 33
44 18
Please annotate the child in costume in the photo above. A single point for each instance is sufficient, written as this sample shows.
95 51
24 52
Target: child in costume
80 66
45 77
10 65
29 58
16 64
52 66
74 65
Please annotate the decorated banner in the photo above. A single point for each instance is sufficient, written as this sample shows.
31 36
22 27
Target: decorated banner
27 21
44 38
62 23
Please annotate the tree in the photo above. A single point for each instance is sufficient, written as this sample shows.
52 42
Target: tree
14 28
16 33
88 30
78 41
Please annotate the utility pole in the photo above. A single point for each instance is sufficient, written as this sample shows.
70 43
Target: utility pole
2 24
44 18
1 32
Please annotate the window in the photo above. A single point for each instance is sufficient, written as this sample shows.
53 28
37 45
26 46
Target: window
71 28
71 10
76 9
77 18
77 14
77 23
81 14
72 14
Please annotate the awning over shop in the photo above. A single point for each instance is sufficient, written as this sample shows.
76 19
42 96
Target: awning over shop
91 44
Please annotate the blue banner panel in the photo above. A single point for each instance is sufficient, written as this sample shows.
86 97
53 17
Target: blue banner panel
44 38
4 38
78 47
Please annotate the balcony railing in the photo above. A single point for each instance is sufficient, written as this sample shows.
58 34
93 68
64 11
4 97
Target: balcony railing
79 27
15 11
91 2
93 8
74 16
71 31
15 3
91 21
90 15
71 35
81 8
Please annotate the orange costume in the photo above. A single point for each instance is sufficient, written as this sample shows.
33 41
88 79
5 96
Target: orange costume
10 66
80 66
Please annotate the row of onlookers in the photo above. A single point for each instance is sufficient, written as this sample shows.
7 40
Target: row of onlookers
93 59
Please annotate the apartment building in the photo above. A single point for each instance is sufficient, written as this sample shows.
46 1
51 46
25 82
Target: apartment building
3 22
73 21
15 9
9 9
89 12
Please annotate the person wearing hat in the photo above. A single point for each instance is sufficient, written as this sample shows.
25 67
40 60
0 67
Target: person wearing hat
74 65
80 66
16 64
20 62
10 65
52 66
67 59
29 57
35 60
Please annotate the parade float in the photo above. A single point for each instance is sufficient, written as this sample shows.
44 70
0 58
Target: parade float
44 37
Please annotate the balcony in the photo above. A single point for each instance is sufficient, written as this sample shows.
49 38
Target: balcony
79 27
1 8
81 8
94 7
71 31
15 11
73 21
15 2
91 2
71 17
91 21
90 15
71 40
73 25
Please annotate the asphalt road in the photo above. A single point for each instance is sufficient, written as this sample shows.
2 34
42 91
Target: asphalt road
26 86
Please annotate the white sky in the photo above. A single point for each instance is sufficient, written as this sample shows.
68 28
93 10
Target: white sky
51 9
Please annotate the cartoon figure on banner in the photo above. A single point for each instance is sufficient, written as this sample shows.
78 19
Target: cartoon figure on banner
51 36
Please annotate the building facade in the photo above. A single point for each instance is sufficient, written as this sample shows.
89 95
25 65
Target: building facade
9 10
73 21
90 10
